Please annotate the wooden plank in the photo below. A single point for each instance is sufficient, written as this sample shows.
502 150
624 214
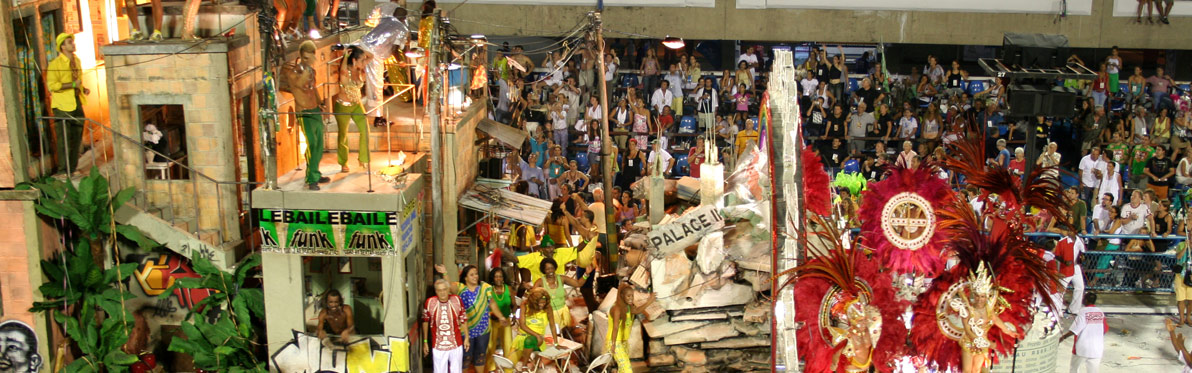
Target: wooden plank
508 135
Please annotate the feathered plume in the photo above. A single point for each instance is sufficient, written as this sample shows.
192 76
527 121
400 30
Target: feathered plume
854 274
817 196
923 182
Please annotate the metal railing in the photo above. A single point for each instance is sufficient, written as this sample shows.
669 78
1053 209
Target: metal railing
1128 271
103 140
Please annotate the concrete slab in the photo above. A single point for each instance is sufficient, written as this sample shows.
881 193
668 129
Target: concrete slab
712 332
663 327
346 191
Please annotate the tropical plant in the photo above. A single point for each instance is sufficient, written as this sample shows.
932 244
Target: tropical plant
224 342
87 299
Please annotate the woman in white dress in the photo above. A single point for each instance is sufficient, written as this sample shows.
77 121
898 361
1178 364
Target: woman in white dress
1183 171
1111 182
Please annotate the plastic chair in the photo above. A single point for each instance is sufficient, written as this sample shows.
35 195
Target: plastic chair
601 362
687 124
976 87
502 362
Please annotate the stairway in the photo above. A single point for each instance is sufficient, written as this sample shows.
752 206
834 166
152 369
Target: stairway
177 237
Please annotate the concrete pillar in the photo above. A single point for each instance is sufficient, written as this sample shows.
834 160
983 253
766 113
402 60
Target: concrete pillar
282 274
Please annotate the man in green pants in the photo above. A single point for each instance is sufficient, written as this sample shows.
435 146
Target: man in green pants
301 79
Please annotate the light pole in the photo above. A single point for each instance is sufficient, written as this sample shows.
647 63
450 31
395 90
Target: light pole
606 146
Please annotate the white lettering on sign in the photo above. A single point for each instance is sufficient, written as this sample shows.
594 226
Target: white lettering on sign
686 230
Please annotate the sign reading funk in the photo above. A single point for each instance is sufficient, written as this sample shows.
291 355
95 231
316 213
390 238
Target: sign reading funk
329 232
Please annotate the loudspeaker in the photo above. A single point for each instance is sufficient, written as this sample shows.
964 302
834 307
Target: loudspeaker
1030 100
1060 102
1025 100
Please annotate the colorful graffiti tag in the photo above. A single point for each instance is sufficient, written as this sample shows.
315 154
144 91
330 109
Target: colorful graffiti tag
308 354
157 274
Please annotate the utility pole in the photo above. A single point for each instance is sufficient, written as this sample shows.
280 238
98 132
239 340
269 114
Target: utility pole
436 146
268 120
606 145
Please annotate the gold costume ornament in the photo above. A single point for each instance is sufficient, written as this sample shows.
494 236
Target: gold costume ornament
967 311
908 221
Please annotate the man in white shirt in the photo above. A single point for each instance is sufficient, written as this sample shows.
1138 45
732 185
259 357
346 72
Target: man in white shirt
908 125
1091 168
809 84
1089 328
858 126
662 97
675 78
663 158
750 58
1136 213
1102 222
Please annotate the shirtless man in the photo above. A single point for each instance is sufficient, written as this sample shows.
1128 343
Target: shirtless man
300 79
336 317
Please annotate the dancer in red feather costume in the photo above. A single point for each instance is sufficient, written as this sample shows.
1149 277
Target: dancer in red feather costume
851 320
977 310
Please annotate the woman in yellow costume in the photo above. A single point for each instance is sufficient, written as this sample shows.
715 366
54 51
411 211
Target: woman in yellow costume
537 325
620 322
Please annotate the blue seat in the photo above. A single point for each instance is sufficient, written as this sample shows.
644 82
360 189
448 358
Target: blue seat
976 86
853 85
1185 87
682 167
628 80
687 124
581 161
964 85
1124 87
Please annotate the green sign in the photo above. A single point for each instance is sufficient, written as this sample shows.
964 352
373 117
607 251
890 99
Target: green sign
328 232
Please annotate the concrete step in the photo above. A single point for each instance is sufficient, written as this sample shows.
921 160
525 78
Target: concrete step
178 237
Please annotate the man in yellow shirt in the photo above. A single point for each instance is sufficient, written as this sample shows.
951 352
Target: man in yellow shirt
549 249
67 96
747 135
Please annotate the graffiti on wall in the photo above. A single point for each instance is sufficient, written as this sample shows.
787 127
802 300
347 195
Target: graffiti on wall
307 353
157 273
18 348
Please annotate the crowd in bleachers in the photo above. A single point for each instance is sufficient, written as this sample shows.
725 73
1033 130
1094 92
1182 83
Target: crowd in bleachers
1126 146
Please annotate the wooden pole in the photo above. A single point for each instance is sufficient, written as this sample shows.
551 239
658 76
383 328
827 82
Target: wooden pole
606 146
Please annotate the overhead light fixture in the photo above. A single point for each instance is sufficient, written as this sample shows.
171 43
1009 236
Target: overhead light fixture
415 52
479 39
673 42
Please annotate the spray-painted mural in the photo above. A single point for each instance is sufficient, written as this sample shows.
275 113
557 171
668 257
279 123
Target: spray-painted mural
307 353
157 273
18 348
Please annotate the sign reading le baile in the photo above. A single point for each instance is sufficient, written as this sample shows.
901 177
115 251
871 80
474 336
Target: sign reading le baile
328 232
686 230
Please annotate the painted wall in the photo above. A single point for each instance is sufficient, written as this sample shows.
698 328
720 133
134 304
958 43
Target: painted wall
1075 7
729 20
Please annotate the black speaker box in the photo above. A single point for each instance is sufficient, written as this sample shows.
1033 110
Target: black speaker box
1025 100
1060 102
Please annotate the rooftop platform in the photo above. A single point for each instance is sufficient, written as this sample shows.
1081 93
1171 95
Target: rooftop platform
347 191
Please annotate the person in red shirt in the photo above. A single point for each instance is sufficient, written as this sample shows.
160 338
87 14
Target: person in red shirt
695 157
1067 251
444 314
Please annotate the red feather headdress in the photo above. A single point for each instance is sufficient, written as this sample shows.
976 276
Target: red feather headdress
817 194
879 208
825 285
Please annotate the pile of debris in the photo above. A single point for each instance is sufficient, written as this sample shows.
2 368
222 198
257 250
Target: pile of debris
702 278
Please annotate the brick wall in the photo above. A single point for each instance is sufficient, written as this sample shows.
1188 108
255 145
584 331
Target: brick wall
15 287
198 82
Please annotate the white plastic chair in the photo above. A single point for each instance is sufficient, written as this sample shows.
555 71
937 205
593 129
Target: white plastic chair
502 362
601 362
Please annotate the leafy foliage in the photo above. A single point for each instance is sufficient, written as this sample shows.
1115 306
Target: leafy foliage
88 206
87 299
222 343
